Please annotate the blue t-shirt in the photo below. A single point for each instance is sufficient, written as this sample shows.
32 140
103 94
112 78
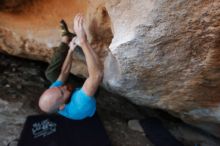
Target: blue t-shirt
80 106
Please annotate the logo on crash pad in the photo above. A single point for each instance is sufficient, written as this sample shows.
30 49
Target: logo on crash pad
43 128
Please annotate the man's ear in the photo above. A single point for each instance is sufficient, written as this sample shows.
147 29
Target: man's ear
62 107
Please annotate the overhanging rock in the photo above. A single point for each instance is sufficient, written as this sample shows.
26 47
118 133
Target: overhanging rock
160 54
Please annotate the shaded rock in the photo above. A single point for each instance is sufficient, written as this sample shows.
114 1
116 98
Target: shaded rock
160 54
12 5
164 55
7 85
16 105
3 82
19 86
115 111
192 136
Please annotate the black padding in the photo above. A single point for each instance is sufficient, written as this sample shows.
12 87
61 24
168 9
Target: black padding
55 130
157 133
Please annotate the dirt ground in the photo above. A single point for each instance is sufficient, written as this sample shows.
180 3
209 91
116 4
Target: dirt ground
23 81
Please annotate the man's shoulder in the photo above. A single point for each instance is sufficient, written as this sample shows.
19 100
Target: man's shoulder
57 83
81 92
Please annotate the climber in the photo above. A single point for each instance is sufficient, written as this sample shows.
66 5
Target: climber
66 95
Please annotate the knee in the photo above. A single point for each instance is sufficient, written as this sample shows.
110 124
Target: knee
49 76
46 73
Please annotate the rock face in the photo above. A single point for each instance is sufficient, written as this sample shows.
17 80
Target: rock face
160 54
166 55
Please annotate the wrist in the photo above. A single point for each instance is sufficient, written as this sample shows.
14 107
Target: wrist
70 50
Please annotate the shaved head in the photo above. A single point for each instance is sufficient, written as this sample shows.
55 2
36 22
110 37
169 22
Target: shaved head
50 100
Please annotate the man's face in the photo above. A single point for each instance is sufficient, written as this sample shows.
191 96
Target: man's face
65 92
55 98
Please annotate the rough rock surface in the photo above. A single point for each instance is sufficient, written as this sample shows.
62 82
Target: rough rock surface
19 98
165 54
160 54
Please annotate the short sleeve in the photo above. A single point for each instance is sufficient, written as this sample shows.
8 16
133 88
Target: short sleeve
56 84
80 106
83 93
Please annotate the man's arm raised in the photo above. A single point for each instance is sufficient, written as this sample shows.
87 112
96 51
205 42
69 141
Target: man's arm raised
93 63
65 71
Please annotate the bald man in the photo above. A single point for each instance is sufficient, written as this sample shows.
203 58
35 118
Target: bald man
64 96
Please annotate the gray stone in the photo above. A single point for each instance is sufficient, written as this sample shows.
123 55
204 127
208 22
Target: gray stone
159 54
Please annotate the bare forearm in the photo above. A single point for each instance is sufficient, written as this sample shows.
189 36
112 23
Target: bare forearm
68 62
94 66
93 63
66 67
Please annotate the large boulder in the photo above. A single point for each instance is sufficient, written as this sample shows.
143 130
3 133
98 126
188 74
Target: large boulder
165 54
160 54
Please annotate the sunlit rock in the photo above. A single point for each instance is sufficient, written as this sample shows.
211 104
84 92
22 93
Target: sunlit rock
160 54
